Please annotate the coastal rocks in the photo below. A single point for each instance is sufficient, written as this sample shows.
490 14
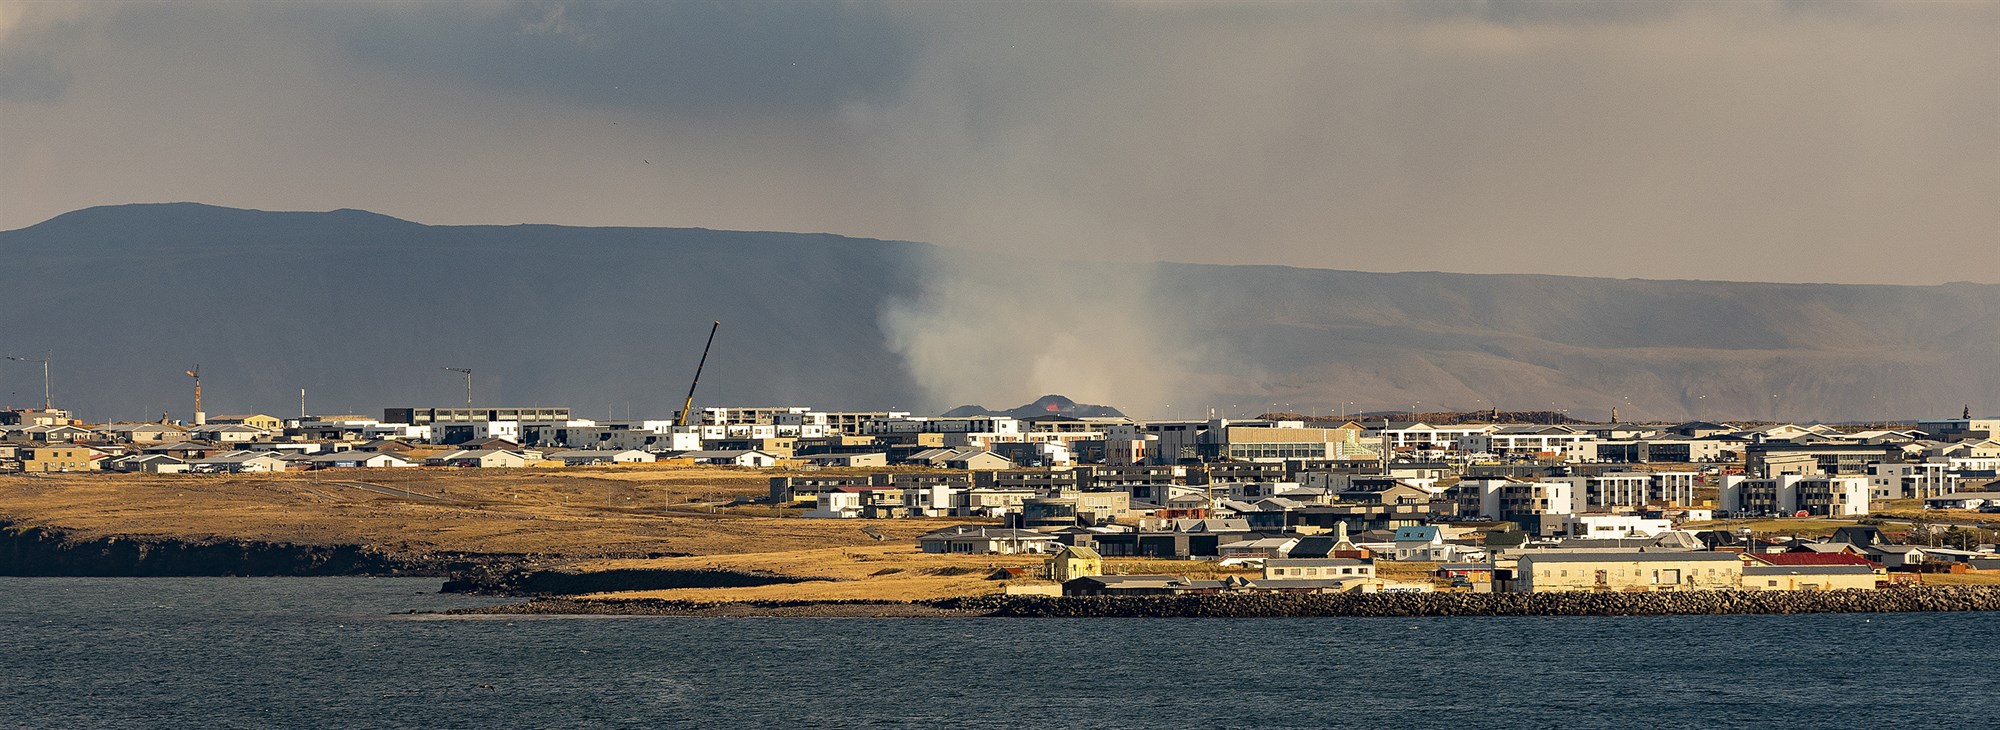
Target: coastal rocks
725 609
34 551
41 552
546 582
1902 599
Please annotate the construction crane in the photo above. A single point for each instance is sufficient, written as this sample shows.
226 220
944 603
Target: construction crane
468 383
199 417
689 405
47 404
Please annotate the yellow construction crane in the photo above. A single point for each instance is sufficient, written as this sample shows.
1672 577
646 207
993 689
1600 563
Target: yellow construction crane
689 405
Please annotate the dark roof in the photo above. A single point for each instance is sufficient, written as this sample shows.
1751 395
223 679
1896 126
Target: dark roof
1318 546
1316 563
1857 535
1620 557
1814 559
1749 570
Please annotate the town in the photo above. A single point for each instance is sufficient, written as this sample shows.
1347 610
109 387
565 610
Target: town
1277 503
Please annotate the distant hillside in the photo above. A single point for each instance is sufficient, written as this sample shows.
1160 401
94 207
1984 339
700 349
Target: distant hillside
1048 405
363 310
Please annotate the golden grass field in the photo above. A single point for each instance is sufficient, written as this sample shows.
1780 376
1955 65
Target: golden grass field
575 518
560 513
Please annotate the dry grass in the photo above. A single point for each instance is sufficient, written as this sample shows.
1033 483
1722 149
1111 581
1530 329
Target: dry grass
1783 526
1413 571
584 519
580 513
890 571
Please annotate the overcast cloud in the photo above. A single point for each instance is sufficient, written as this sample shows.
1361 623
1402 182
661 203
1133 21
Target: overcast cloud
1847 142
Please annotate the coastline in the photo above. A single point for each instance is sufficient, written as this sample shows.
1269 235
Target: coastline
1402 605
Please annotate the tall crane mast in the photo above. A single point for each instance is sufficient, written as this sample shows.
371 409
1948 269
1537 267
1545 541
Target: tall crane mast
689 405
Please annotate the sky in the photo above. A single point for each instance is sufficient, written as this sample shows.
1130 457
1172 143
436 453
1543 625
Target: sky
1809 141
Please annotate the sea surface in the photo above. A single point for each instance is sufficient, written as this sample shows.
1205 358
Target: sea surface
345 653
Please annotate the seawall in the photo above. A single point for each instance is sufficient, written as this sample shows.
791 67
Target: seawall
1887 600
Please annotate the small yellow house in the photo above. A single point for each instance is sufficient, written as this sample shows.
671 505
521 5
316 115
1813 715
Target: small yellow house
1074 562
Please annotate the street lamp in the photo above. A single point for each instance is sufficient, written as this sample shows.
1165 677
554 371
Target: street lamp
44 360
468 384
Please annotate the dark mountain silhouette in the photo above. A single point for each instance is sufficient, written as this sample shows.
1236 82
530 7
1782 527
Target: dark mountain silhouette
362 310
1048 405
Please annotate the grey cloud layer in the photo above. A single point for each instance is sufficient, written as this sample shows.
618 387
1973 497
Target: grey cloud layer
1771 141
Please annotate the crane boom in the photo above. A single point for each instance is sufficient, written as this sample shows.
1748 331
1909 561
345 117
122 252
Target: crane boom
689 405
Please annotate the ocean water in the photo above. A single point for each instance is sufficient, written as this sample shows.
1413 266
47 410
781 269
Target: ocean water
342 653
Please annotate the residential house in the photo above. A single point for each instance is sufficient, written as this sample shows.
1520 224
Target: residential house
586 457
238 462
1257 547
1614 525
144 433
43 459
357 460
183 450
53 434
872 501
1336 568
227 433
1071 562
253 420
151 463
751 459
480 459
849 460
980 539
1420 542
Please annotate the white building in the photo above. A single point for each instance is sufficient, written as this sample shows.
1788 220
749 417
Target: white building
1503 499
1633 489
1816 495
1556 441
1614 526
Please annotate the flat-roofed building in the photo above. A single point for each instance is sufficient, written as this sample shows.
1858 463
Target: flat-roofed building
1282 441
1565 570
422 416
1821 496
1808 577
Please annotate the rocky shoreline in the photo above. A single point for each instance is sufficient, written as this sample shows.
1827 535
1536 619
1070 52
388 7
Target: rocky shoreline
729 609
518 580
50 552
1695 603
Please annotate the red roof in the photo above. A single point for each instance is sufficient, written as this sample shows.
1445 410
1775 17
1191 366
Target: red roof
1815 559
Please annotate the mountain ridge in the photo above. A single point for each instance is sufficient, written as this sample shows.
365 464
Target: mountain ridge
362 310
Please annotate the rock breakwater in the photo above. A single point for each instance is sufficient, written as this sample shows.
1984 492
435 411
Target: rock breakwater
533 581
657 607
41 551
1887 600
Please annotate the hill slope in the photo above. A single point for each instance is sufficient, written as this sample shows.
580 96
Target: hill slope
363 310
